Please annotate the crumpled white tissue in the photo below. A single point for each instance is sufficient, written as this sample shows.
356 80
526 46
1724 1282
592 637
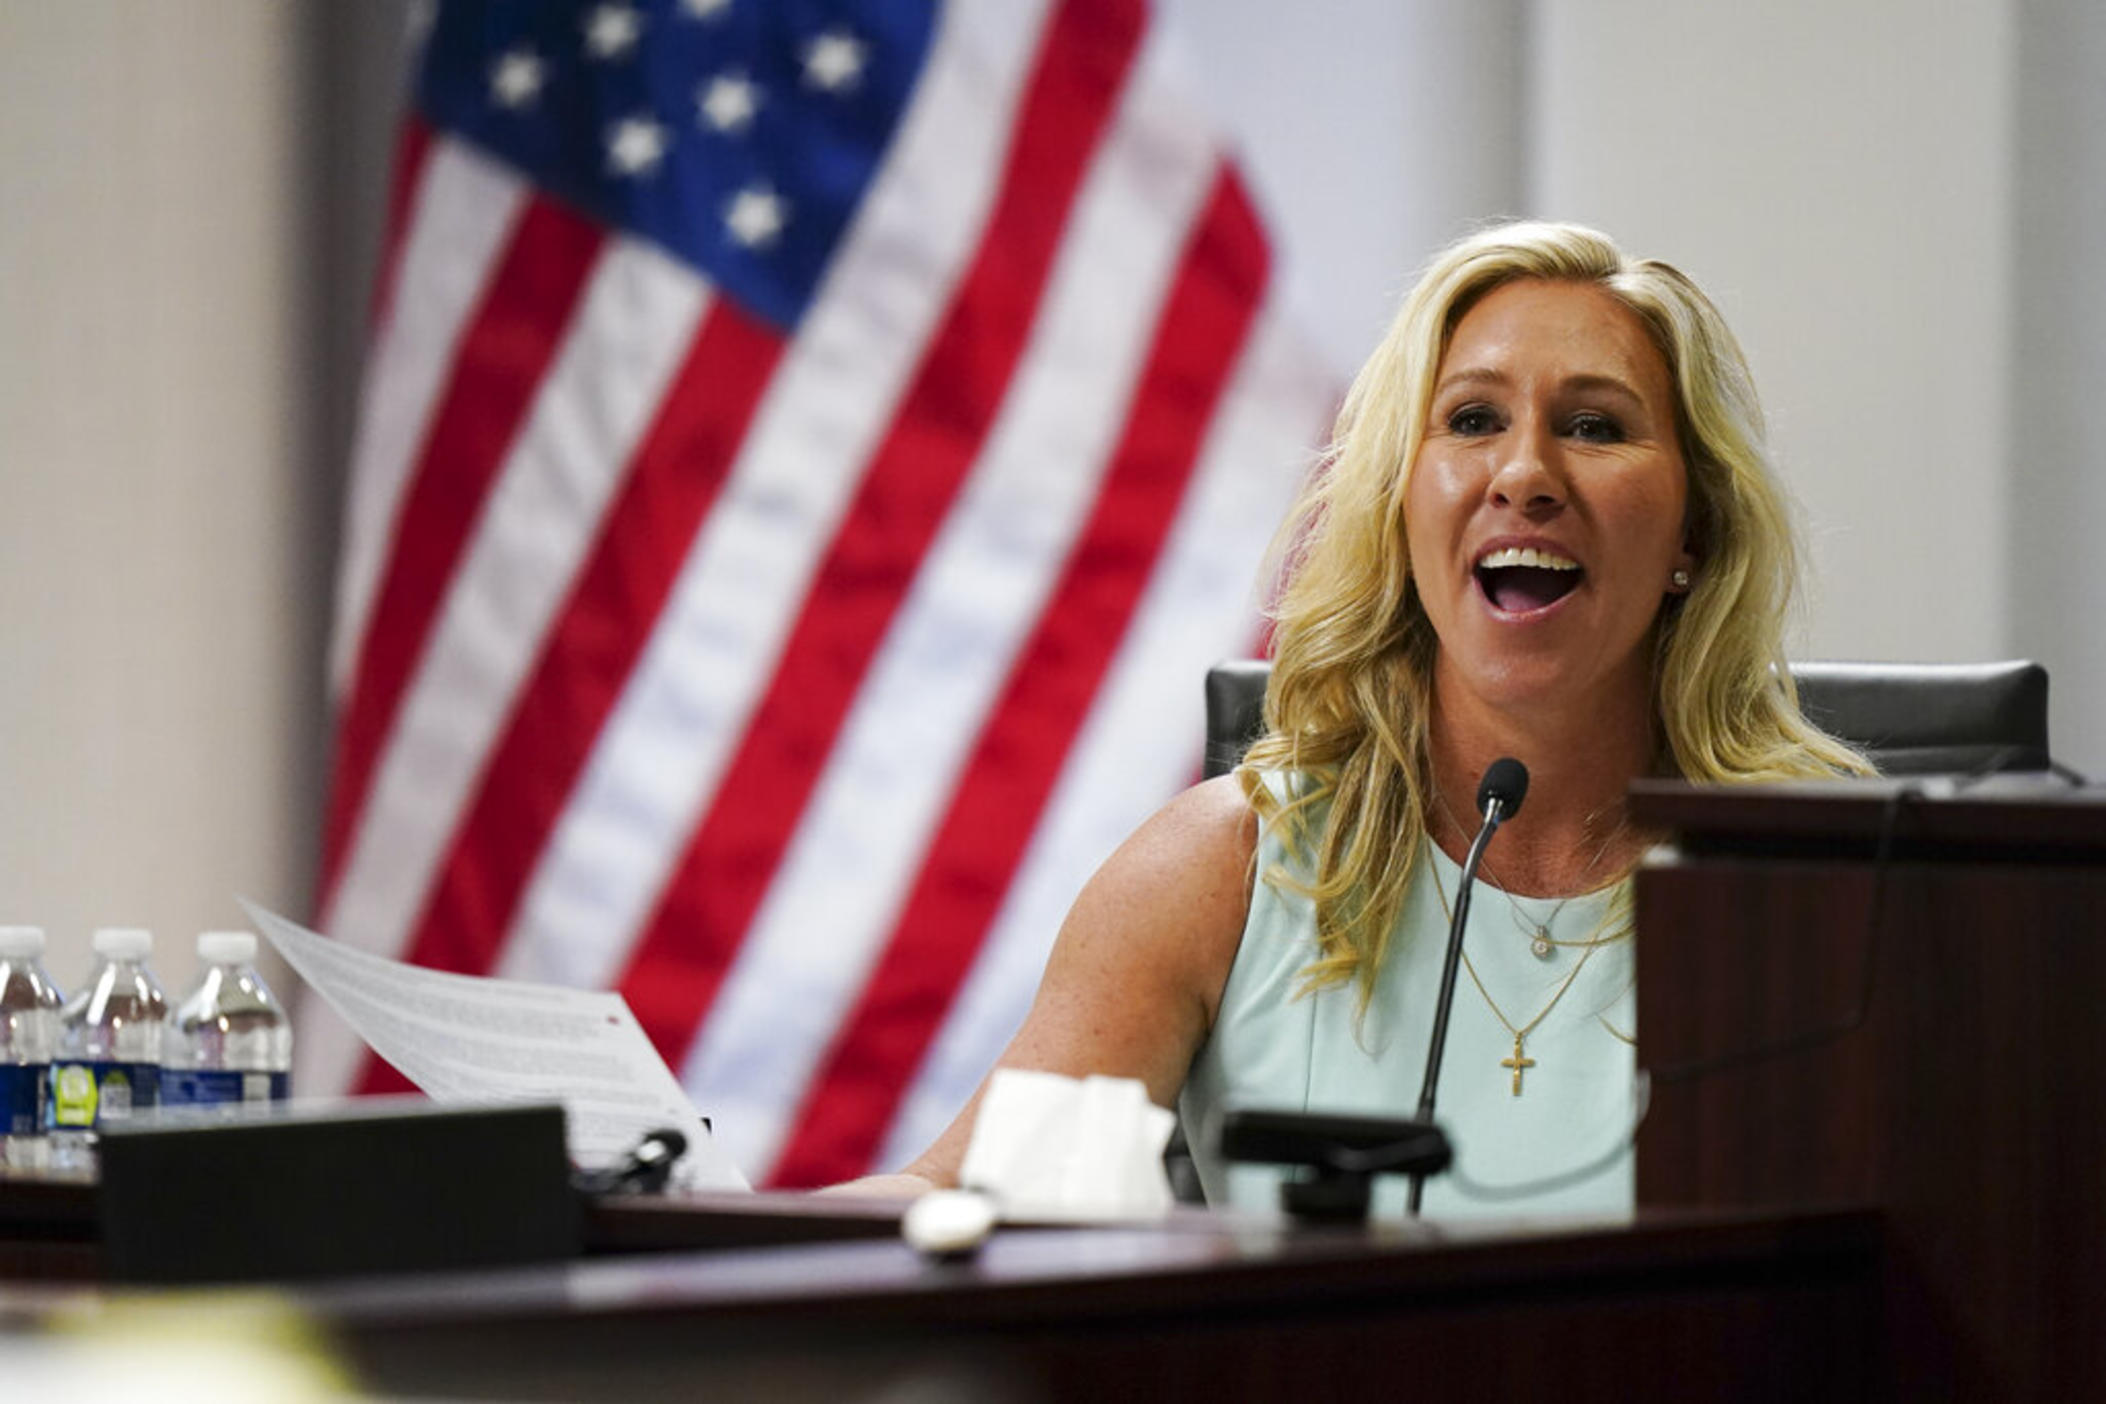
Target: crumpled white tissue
1052 1147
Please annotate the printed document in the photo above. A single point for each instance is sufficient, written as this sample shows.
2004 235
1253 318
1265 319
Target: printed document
466 1039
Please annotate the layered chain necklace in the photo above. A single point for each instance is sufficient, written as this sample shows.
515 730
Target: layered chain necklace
1520 1062
1541 944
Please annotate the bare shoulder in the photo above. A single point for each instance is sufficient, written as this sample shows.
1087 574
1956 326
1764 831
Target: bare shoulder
1166 911
1197 848
1186 870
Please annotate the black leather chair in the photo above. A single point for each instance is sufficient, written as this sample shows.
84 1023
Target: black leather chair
1910 718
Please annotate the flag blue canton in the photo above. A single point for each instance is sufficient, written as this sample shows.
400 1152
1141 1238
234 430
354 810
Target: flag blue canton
738 135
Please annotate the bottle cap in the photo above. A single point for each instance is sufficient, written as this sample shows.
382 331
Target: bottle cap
123 942
226 947
21 942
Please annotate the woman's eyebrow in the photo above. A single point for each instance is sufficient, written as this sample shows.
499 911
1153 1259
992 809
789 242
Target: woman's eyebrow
1613 384
1473 375
1588 380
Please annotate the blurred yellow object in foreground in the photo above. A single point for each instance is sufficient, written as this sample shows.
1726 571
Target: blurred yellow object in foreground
229 1347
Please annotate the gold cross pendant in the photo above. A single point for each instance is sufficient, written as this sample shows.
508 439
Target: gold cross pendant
1517 1063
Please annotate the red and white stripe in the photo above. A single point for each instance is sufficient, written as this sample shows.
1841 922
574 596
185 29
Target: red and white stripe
1200 594
906 743
793 688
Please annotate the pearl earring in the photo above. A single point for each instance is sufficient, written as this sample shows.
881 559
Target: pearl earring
1680 578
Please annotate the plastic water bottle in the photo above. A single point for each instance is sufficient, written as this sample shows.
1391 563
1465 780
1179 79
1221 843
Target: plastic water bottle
229 1043
29 1036
109 1061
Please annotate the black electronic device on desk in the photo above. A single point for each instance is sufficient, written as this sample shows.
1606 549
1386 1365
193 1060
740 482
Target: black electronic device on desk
398 1187
491 1209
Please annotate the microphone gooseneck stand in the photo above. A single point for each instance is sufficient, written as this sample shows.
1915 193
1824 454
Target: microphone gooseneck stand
1499 797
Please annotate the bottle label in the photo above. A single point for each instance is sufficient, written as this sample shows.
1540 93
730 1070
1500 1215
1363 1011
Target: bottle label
90 1094
219 1087
22 1098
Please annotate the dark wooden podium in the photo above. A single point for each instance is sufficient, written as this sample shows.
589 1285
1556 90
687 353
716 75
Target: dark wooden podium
1922 1032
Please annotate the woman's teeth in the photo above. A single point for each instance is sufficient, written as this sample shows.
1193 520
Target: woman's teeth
1526 556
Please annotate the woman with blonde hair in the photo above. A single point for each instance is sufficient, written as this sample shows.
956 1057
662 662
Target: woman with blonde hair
1546 528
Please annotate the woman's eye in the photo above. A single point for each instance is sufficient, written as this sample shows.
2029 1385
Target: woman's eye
1473 419
1596 428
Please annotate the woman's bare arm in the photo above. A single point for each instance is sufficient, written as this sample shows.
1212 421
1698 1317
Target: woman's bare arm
1135 978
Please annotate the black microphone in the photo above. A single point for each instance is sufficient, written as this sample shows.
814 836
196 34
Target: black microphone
647 1170
1499 797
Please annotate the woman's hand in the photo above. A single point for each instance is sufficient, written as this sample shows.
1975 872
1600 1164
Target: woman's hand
899 1186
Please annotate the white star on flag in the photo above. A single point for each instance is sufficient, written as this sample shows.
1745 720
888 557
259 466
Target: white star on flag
756 216
729 102
611 31
705 9
636 146
833 61
516 78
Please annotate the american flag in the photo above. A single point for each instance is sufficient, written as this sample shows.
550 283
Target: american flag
810 453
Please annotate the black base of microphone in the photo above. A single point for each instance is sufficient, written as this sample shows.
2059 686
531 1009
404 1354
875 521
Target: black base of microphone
1342 1154
1337 1195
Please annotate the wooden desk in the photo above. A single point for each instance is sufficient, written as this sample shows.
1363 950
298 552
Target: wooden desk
1204 1307
1942 1060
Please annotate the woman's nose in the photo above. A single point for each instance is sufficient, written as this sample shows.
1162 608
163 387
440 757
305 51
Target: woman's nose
1528 475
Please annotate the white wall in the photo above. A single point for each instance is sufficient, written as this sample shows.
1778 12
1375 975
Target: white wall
2053 440
1837 173
154 747
1374 132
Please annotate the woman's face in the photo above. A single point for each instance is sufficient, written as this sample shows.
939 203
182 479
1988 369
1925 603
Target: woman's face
1548 503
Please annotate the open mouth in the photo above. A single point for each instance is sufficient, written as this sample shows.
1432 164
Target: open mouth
1520 579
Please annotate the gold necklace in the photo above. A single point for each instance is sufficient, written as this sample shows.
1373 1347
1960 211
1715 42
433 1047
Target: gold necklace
1541 944
1520 1062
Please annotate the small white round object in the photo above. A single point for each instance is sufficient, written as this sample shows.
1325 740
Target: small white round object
948 1223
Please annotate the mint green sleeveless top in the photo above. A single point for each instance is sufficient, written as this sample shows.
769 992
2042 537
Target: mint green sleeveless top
1574 1113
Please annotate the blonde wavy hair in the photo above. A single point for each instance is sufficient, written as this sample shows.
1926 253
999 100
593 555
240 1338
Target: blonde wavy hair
1346 710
